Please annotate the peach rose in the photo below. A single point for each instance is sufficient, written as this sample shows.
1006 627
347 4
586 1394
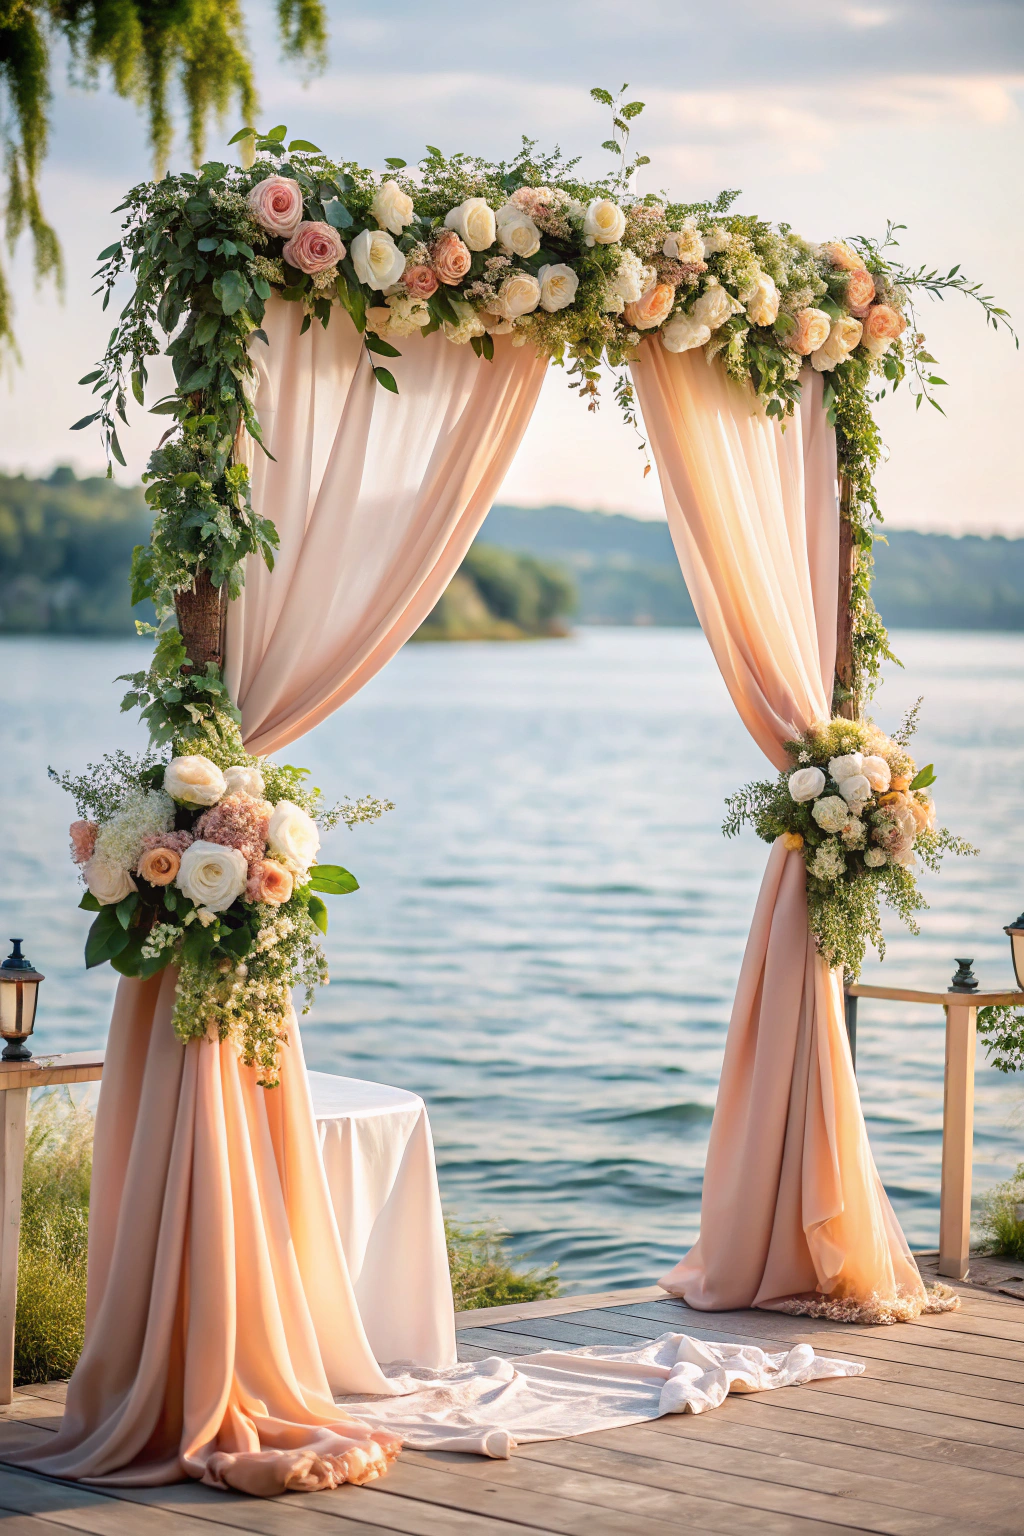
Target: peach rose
883 324
269 883
651 308
421 282
812 328
314 247
860 292
159 865
842 255
450 256
83 840
276 203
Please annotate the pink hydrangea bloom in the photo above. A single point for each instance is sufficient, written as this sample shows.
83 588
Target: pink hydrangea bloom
177 842
239 822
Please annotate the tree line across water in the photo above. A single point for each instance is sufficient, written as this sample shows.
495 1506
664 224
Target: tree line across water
65 548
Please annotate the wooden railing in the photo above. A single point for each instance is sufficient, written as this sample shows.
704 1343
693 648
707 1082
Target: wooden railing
18 1078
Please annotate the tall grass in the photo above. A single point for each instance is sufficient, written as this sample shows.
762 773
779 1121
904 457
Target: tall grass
54 1243
1002 1217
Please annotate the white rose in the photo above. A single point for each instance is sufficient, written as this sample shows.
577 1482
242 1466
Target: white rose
855 789
874 858
211 875
845 767
474 221
558 285
762 300
244 781
194 781
684 244
604 222
878 773
716 240
842 338
806 784
517 233
391 207
682 333
831 813
715 306
518 295
108 880
376 258
293 835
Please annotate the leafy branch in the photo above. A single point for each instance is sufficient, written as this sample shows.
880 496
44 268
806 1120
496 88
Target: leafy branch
623 113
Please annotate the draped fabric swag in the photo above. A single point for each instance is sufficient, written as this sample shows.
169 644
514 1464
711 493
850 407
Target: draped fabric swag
793 1214
221 1317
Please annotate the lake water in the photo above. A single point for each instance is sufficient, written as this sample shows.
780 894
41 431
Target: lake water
550 923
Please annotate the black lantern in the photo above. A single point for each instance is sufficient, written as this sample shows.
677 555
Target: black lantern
19 989
1016 933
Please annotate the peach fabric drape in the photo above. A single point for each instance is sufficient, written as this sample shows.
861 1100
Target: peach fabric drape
793 1212
376 499
221 1316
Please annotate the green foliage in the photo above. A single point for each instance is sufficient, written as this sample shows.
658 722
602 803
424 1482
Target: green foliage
1002 1033
141 47
182 707
1002 1217
483 1274
50 1319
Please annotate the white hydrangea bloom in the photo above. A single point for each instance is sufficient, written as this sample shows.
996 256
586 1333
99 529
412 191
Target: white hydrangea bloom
144 812
828 862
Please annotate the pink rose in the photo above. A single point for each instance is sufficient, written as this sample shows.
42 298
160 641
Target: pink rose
421 282
314 247
269 883
450 256
651 308
83 840
812 329
277 204
860 292
883 324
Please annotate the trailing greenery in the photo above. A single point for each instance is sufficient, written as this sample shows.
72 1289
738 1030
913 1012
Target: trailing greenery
143 48
483 1274
1002 1217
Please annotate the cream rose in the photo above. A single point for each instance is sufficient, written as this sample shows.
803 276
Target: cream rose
762 300
604 222
244 781
558 285
855 790
194 780
314 247
812 328
293 835
844 335
651 308
831 813
517 233
474 221
806 784
684 332
276 203
377 260
212 876
518 295
108 880
845 767
684 244
391 207
715 306
878 773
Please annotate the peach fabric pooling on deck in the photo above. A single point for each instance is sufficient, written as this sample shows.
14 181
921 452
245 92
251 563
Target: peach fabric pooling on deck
793 1209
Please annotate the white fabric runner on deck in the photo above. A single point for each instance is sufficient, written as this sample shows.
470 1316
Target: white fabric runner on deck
488 1407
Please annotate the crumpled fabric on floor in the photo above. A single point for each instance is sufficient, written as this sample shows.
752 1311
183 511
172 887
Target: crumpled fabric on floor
488 1407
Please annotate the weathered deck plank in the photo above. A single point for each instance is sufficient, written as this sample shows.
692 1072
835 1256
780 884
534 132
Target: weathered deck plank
929 1440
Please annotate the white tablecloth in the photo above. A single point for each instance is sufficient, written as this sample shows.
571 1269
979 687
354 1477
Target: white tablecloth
379 1158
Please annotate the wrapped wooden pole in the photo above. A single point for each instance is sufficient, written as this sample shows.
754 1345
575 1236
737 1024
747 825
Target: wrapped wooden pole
845 672
202 613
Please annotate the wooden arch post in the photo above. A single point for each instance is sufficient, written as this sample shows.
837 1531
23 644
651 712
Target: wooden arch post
202 616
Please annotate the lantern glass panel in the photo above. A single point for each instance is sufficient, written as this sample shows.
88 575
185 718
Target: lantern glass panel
17 1006
1017 945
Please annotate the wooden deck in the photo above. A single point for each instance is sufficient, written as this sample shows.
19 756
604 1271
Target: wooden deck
929 1440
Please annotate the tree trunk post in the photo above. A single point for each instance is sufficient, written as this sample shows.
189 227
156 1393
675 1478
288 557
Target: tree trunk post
850 708
202 612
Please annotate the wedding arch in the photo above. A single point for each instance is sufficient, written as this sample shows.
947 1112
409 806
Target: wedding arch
356 360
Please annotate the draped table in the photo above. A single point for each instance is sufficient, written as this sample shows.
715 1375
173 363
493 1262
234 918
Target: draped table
379 1159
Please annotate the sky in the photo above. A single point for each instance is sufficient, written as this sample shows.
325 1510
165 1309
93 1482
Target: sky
833 117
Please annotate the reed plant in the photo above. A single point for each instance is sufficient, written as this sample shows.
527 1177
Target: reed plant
485 1275
1002 1218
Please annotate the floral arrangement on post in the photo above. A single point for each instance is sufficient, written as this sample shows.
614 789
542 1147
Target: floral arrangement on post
212 866
857 807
